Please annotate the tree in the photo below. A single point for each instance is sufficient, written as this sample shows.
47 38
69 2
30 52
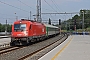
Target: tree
2 27
86 17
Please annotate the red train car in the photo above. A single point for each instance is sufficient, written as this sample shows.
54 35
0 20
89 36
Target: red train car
26 31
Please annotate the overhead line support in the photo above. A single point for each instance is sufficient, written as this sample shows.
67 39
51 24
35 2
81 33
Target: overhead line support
61 13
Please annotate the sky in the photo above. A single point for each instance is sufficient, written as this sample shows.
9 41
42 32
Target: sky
10 9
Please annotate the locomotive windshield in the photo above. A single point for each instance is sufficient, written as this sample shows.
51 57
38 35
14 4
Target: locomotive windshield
19 26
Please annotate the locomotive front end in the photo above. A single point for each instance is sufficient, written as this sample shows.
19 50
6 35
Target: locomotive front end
19 33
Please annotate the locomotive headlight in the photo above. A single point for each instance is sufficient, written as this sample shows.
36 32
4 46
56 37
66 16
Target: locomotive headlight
25 33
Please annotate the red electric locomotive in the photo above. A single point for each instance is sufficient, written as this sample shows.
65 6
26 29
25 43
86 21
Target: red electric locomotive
26 31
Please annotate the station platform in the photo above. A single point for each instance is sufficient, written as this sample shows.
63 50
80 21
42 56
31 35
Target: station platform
5 41
76 47
4 36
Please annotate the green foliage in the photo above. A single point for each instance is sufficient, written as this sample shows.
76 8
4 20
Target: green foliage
3 27
77 20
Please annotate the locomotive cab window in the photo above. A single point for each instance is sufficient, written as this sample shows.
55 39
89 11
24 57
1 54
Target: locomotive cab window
23 26
19 26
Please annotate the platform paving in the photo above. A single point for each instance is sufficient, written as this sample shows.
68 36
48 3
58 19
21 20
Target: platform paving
5 41
76 47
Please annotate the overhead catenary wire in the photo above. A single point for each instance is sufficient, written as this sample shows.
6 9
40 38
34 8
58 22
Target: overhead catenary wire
55 5
31 7
50 6
13 6
26 4
58 7
6 16
54 8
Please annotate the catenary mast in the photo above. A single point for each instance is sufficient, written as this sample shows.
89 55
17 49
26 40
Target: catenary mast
38 15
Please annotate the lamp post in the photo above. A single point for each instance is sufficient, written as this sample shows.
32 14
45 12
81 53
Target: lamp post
83 20
6 28
83 23
16 17
30 15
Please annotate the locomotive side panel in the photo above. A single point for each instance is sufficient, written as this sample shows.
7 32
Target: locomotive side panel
38 29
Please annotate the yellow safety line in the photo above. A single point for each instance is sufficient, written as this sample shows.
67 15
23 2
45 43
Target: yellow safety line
61 50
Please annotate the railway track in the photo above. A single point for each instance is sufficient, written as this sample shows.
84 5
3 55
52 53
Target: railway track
8 49
39 53
30 51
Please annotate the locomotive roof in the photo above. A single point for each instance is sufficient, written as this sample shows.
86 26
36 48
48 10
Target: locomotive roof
24 20
47 25
27 20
